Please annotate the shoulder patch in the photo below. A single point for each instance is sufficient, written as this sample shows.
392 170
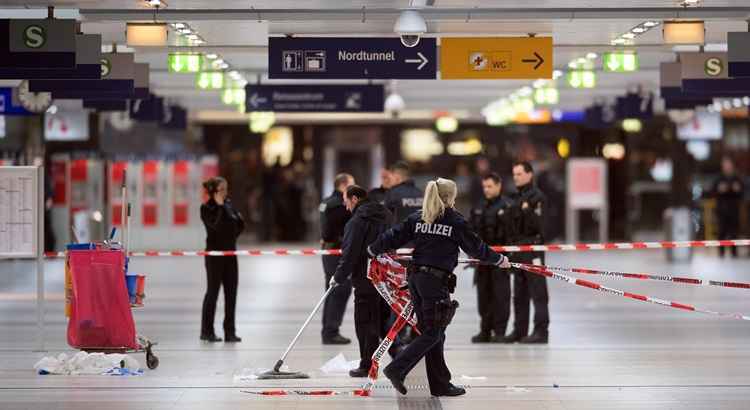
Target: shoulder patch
322 207
501 212
538 209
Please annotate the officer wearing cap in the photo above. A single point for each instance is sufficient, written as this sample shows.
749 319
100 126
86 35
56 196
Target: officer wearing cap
437 232
527 214
333 218
490 219
403 198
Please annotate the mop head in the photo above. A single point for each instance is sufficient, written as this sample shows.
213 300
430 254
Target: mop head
279 375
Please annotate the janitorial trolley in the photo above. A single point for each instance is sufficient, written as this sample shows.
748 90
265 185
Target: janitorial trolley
99 302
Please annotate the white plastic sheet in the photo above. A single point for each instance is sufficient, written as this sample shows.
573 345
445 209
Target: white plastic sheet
83 363
339 364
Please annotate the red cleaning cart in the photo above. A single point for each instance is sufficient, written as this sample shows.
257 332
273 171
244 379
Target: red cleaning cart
101 319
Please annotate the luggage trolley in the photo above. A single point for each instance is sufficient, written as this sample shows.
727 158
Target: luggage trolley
99 304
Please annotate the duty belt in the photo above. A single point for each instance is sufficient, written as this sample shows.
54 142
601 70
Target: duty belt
439 273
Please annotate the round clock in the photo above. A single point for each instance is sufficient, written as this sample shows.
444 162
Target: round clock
34 102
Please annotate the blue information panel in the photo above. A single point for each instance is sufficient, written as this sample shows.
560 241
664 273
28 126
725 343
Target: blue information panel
351 58
315 98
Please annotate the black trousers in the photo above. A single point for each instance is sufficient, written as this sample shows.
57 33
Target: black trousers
335 305
426 289
728 229
220 271
529 287
493 298
370 315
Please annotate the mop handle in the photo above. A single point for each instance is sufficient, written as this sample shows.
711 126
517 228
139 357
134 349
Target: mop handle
302 329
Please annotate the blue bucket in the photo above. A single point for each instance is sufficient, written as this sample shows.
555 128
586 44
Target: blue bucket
131 282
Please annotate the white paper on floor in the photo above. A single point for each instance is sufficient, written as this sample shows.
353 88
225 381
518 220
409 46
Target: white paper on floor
514 389
465 377
83 363
339 364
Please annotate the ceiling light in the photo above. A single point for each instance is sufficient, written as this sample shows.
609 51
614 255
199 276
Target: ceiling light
684 32
628 36
556 74
178 25
650 24
211 56
619 41
192 36
185 30
446 123
746 100
591 56
146 34
639 30
156 3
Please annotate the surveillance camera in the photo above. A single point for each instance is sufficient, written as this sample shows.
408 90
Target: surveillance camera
410 26
410 40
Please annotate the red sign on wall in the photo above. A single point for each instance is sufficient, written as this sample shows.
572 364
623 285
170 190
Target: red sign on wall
150 193
181 184
58 173
117 170
79 185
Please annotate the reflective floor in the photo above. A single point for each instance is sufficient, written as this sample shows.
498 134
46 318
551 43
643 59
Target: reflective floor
605 351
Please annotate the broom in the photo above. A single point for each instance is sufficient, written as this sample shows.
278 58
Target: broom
276 373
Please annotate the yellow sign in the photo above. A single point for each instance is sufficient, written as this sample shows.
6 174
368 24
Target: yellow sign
495 58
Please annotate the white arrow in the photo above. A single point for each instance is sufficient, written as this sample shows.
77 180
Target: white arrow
422 60
255 100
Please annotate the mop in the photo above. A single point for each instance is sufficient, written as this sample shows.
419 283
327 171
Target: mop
276 373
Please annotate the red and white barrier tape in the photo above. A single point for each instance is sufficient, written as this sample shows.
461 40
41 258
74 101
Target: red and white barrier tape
356 392
646 276
503 248
544 271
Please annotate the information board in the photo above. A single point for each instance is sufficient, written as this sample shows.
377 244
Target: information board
19 212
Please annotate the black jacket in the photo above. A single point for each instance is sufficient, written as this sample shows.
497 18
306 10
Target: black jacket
223 225
333 218
527 215
728 191
436 244
378 195
491 220
403 200
368 221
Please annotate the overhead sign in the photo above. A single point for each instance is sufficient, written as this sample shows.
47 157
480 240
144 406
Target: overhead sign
117 81
350 58
495 58
707 74
587 183
315 98
31 43
66 126
738 50
620 62
184 62
88 54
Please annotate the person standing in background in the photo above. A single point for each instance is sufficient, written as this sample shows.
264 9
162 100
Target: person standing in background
527 215
490 219
403 198
378 194
333 218
223 226
728 190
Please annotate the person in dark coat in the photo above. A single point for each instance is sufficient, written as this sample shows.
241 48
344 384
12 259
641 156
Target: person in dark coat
437 231
728 190
333 219
378 194
403 198
223 226
368 220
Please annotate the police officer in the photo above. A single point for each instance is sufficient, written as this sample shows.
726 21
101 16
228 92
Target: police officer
378 194
368 220
333 218
403 198
527 220
491 221
728 190
437 233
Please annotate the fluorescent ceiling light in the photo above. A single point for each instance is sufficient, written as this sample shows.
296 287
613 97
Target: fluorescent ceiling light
684 32
146 34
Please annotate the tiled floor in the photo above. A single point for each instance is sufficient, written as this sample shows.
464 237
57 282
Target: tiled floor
604 351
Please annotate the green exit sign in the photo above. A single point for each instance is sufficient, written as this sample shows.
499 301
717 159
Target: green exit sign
184 63
210 80
620 62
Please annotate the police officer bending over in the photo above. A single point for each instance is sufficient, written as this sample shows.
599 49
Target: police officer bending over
333 218
403 198
527 211
369 219
437 233
491 221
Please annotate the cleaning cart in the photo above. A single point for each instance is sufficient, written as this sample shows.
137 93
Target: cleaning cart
100 316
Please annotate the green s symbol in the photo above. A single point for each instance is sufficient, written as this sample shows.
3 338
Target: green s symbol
34 36
106 67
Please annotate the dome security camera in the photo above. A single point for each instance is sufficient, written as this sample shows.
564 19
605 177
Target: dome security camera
410 26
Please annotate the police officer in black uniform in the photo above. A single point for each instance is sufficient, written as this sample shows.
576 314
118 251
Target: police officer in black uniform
527 213
378 194
369 219
491 221
333 218
403 198
728 190
437 233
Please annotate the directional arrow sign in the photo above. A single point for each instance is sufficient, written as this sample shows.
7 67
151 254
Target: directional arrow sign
495 57
350 58
315 98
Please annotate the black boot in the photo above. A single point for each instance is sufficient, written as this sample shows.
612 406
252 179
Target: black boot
504 339
396 381
482 337
514 337
336 340
358 372
452 391
212 338
536 338
232 339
